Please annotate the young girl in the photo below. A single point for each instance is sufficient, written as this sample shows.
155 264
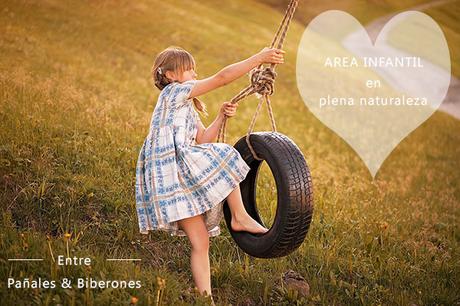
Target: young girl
182 177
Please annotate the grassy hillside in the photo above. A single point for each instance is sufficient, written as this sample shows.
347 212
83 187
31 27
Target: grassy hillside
76 102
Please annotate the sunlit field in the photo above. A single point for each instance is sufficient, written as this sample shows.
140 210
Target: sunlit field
76 100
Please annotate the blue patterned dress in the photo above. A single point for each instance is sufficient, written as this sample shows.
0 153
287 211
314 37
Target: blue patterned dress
177 178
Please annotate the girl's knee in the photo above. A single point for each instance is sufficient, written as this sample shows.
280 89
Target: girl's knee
200 243
195 228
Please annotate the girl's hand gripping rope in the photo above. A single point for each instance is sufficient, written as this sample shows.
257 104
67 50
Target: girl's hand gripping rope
228 109
271 56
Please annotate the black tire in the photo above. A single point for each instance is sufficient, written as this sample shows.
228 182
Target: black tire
295 195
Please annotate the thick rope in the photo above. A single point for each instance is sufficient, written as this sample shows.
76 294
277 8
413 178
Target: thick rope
262 81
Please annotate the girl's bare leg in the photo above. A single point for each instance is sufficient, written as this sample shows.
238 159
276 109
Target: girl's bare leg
241 220
196 231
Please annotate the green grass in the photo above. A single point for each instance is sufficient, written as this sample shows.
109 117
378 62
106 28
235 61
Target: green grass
76 102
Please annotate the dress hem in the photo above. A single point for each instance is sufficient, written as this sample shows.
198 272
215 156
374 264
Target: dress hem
219 200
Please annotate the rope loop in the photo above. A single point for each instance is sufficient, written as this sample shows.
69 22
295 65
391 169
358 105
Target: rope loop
263 80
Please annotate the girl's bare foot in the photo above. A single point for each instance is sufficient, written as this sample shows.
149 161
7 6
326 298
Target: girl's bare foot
248 224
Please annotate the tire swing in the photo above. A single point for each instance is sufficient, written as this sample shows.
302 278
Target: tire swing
287 163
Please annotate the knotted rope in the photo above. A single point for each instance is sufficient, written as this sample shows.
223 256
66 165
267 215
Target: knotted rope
262 81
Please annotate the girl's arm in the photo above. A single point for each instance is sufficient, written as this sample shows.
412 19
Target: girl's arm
237 70
207 135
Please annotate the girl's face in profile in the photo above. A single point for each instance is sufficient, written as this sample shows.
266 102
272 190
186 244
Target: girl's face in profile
187 75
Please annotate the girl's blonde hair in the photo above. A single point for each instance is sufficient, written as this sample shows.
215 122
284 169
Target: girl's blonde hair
177 60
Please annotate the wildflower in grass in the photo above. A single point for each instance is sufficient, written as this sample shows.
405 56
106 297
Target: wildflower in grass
25 245
384 225
134 300
161 282
66 239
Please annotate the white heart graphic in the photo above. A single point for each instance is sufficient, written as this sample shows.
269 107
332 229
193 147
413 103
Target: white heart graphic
373 95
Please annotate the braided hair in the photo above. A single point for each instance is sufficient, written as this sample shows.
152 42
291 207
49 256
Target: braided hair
174 59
